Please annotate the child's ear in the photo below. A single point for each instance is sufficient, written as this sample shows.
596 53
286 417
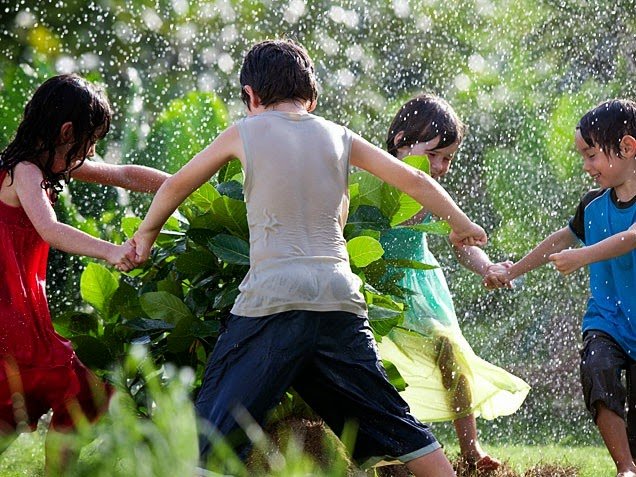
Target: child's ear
628 147
255 101
66 133
398 137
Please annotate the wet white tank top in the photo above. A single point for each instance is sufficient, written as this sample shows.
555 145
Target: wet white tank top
296 190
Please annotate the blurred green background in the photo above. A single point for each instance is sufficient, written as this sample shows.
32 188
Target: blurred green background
519 73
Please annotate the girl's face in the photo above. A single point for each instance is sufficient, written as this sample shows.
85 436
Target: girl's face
440 159
60 157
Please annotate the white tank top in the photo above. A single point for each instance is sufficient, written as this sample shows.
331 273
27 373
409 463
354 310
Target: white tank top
296 190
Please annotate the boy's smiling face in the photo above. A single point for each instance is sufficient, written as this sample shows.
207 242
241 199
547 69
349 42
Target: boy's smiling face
607 169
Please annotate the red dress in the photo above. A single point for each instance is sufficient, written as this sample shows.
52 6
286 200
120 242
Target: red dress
38 368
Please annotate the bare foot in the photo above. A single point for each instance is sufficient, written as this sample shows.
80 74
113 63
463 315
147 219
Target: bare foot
487 464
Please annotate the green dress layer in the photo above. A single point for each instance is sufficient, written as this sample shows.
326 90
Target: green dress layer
446 379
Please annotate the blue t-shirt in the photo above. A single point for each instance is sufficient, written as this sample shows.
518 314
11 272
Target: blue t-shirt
611 307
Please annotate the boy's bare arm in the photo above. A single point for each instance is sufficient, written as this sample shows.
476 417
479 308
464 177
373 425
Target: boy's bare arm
569 261
418 185
132 177
178 187
559 240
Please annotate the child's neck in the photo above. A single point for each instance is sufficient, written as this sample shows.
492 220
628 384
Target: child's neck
285 107
627 190
290 106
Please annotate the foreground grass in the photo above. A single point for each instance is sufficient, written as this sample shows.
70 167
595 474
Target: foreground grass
591 461
25 457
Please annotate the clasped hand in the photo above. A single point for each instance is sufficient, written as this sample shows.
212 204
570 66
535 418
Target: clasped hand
129 255
498 276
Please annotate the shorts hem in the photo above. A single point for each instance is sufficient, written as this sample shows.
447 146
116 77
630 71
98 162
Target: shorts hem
371 461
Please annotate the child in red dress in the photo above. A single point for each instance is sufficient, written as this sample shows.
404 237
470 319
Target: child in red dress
38 368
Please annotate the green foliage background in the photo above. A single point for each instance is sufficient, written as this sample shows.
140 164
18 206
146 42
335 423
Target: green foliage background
519 73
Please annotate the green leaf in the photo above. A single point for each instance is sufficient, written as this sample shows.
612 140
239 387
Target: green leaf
364 250
368 217
232 171
195 262
164 306
129 225
383 320
74 323
369 188
92 351
205 196
395 378
148 326
232 214
397 205
230 249
125 301
97 286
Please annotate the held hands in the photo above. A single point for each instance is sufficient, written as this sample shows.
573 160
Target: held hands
130 254
568 261
122 256
498 276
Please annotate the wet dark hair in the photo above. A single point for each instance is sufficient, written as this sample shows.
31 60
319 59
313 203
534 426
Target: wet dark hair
607 124
278 70
60 99
423 118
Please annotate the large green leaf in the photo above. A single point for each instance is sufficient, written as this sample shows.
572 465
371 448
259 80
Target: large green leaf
93 352
369 189
183 129
232 171
232 214
205 196
364 250
97 286
164 306
230 249
368 217
397 205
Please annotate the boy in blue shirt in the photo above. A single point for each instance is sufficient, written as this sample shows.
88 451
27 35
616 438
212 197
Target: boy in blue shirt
605 222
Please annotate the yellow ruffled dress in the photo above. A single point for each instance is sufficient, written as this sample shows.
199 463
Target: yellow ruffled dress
446 379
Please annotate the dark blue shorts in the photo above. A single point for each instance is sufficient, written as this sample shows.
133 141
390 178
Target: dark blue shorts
602 364
331 360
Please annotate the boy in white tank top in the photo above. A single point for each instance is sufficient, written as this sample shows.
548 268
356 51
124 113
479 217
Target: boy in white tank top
300 319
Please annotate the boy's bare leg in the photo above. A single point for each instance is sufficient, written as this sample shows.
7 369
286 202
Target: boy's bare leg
612 429
434 464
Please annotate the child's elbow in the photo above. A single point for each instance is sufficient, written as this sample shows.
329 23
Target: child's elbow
49 232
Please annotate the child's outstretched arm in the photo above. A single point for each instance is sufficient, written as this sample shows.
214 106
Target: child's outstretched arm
177 188
129 176
37 206
478 261
568 261
559 240
420 186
